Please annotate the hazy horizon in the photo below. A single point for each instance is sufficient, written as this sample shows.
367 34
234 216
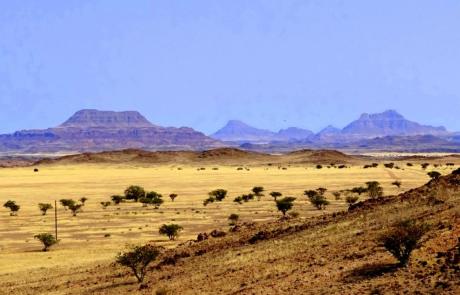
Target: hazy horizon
271 64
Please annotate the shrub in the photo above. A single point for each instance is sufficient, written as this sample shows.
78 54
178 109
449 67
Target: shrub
285 204
321 191
247 197
337 195
310 193
425 165
319 166
233 218
14 208
209 200
275 195
257 190
374 189
319 201
134 192
105 204
172 197
170 230
83 200
375 165
351 200
145 201
218 194
456 171
66 203
389 165
403 238
117 199
238 200
155 198
409 164
359 190
75 208
47 240
138 259
44 207
397 183
434 174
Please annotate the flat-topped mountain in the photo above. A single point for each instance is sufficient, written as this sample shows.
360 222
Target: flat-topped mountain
388 123
236 130
106 119
93 130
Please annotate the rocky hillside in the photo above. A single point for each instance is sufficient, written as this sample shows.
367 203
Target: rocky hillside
92 130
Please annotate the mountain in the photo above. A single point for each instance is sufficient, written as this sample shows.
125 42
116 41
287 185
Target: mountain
388 123
327 134
93 130
239 131
294 133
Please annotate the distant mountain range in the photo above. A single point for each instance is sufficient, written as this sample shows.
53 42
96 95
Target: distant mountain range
93 130
388 123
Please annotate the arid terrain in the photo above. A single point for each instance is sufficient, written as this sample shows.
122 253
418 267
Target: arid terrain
312 253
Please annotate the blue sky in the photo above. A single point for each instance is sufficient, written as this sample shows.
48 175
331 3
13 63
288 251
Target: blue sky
272 64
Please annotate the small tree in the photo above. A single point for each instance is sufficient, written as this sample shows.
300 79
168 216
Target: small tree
170 230
66 203
233 219
44 207
75 208
351 200
285 204
257 190
248 197
238 200
157 201
434 175
47 240
209 200
145 201
310 193
117 199
218 194
359 190
134 192
374 189
83 200
275 195
105 205
337 195
137 259
14 208
172 197
425 165
397 183
321 191
403 238
319 201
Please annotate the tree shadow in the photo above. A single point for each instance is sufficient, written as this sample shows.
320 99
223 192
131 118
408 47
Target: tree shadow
369 271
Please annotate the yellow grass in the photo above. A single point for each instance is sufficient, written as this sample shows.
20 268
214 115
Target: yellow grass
82 237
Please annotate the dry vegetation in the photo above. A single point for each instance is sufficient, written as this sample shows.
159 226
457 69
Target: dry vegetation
290 256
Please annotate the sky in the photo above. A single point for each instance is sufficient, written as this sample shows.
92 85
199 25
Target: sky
272 64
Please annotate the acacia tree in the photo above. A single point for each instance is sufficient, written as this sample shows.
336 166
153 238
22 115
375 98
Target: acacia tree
138 258
321 191
257 190
275 195
75 208
374 189
233 219
117 199
134 192
14 208
170 230
66 203
44 207
218 194
319 201
351 200
172 197
47 240
285 204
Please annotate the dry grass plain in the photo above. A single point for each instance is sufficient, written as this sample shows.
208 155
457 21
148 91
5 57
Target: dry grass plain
85 240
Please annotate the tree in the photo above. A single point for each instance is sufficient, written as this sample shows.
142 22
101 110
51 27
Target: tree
157 201
321 191
218 194
14 208
238 200
275 195
66 203
310 193
83 200
425 165
257 190
351 200
172 197
105 205
337 195
374 189
47 240
233 218
170 230
134 192
397 183
145 201
248 197
44 207
434 175
75 208
319 201
403 238
209 200
138 259
359 190
285 204
117 199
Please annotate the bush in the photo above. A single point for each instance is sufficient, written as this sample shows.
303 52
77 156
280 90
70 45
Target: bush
374 189
75 208
209 200
14 208
47 240
83 200
319 201
359 190
351 200
155 198
138 259
397 183
105 204
172 197
44 207
238 200
285 204
389 165
117 199
319 166
170 230
218 194
310 193
321 191
257 190
134 192
233 218
337 195
409 164
66 203
425 165
456 171
275 195
434 174
247 197
403 238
